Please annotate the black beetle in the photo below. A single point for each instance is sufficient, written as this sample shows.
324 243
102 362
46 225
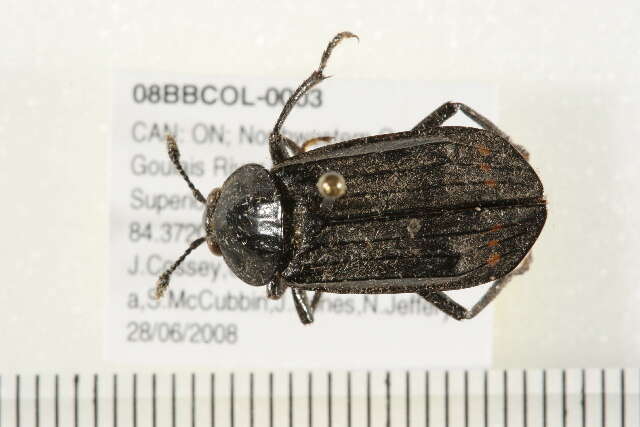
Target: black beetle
432 209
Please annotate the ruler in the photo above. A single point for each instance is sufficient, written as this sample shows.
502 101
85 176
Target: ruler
574 397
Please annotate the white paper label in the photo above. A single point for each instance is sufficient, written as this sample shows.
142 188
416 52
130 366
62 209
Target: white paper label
209 316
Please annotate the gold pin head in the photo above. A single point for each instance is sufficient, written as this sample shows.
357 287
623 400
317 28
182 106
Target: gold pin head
331 185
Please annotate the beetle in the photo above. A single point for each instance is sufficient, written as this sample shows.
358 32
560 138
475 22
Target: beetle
428 210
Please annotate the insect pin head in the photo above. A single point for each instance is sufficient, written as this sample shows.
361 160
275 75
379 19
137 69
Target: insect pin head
331 185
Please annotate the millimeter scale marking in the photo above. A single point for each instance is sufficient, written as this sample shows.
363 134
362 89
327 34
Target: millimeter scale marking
415 398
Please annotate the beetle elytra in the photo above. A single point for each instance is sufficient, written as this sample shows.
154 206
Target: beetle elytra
432 209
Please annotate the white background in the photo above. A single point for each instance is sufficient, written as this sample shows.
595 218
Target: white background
568 79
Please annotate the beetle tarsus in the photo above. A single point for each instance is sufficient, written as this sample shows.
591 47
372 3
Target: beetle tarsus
282 148
315 78
332 44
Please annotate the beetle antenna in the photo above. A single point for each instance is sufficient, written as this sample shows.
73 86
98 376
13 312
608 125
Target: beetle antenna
174 155
163 281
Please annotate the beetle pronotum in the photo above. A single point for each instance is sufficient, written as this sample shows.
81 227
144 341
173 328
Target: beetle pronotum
428 210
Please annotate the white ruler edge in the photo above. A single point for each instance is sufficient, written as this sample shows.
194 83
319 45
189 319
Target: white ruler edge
556 397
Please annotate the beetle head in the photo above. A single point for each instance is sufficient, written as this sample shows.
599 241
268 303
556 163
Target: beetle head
210 207
244 222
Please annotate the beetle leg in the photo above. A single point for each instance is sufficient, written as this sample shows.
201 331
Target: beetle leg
497 287
448 109
444 303
457 311
303 307
313 141
316 77
305 312
276 288
315 300
281 148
